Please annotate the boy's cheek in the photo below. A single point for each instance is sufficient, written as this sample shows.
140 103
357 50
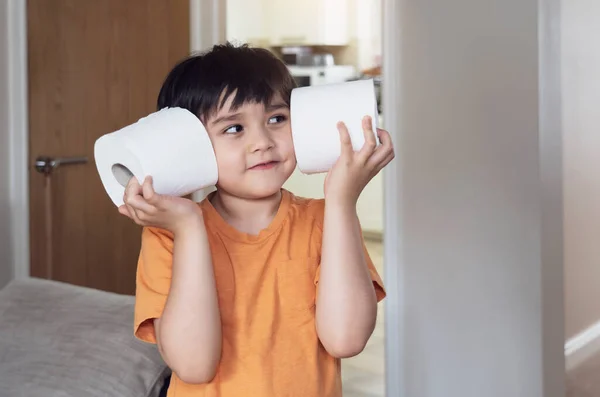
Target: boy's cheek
229 167
226 154
286 147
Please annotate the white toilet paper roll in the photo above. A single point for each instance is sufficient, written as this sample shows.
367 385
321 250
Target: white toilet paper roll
171 145
315 112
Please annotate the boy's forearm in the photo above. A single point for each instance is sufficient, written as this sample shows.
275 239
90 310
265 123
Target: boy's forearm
346 304
189 330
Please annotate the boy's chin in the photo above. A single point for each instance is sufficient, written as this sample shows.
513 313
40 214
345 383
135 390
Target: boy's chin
258 194
255 188
254 192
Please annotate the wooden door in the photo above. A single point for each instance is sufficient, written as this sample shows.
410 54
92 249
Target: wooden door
94 67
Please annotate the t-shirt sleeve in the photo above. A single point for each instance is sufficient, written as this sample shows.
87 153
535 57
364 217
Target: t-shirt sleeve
375 277
153 280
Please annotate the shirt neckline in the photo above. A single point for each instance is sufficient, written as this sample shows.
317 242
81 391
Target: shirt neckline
216 221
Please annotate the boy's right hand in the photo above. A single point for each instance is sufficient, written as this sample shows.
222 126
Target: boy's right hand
148 208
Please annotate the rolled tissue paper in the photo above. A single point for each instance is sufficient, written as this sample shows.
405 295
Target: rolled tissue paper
171 145
315 112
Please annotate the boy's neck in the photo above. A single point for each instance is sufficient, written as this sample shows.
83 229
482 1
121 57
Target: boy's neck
246 215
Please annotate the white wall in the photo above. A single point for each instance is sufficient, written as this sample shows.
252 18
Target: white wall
370 203
367 27
581 121
6 272
479 195
246 21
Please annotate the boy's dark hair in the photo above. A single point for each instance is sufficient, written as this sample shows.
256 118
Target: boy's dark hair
202 83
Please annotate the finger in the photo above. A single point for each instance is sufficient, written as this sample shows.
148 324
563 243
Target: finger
383 151
133 188
386 161
148 191
367 123
139 204
386 144
346 142
134 201
124 211
132 214
380 167
128 210
370 141
384 137
376 164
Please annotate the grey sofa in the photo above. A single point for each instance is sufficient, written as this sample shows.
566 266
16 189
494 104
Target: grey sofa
61 340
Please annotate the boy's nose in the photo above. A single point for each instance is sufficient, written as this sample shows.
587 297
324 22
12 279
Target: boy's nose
261 140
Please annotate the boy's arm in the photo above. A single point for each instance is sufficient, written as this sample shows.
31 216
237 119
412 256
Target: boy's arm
189 331
176 296
346 307
346 298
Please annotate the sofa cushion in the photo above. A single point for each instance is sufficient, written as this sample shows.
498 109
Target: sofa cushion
62 340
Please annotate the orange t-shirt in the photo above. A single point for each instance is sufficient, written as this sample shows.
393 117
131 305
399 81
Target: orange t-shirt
266 285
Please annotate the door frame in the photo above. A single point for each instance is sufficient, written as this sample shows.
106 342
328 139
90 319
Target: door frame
18 137
208 26
393 238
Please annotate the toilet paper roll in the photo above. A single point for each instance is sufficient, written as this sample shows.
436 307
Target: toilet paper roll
171 145
315 112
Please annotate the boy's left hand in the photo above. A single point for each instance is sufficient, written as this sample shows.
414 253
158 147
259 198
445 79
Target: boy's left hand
354 170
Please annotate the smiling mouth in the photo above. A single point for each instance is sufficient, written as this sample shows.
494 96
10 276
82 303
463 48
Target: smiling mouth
265 166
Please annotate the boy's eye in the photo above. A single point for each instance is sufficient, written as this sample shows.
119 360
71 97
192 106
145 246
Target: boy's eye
277 119
234 129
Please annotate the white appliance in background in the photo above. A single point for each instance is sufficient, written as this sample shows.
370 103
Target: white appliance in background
317 75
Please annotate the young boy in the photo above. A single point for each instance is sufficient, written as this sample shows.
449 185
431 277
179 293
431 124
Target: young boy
254 291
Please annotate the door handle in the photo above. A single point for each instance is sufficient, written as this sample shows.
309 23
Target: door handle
46 165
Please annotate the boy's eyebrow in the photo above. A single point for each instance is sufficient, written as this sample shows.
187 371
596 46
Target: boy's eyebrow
227 117
236 116
274 106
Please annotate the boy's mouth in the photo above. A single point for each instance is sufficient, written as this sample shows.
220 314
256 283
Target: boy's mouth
264 166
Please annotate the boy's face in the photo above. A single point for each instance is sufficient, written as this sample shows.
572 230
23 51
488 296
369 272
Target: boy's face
254 148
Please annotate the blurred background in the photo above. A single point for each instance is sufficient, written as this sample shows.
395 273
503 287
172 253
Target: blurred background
479 282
